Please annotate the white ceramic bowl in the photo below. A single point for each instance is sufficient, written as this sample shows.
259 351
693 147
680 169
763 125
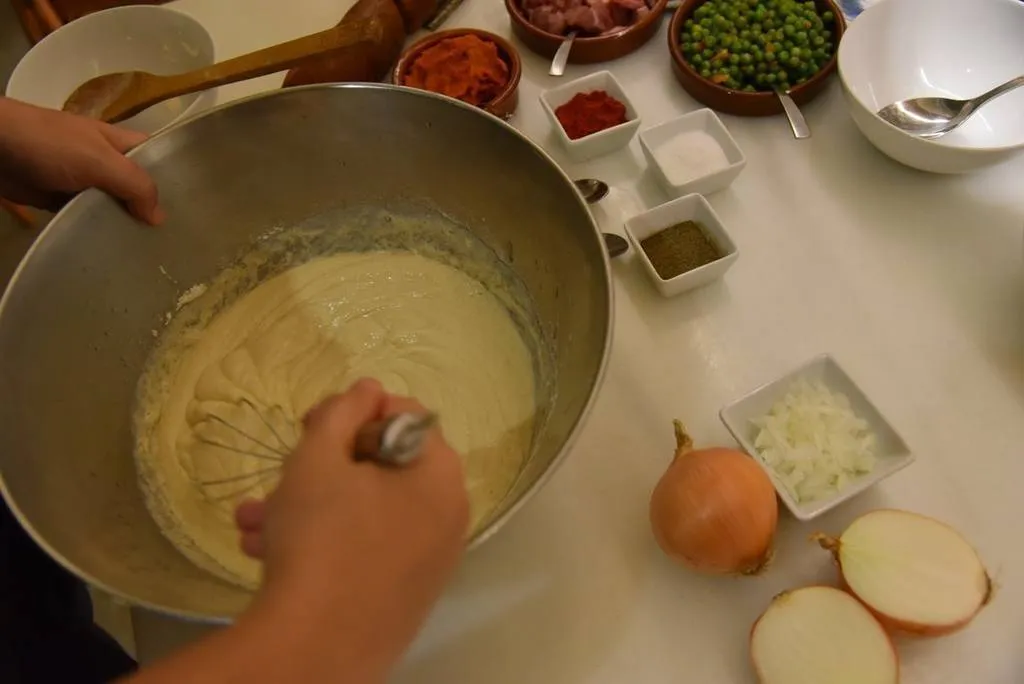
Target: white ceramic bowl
602 142
892 453
689 208
135 38
899 49
653 141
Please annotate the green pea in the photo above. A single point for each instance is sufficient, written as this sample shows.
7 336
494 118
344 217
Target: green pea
828 17
783 56
705 72
749 89
707 54
794 62
696 60
801 37
795 52
769 79
818 41
710 41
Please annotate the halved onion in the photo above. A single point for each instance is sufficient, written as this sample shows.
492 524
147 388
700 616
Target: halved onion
916 574
821 635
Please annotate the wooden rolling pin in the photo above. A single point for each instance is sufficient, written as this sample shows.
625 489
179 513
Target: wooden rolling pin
116 97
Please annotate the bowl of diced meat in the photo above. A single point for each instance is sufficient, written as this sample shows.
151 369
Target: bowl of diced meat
605 29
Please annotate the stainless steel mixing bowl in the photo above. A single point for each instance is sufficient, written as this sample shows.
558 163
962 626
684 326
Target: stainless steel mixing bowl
76 321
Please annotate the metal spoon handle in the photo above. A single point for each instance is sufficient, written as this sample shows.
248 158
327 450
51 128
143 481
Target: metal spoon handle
561 57
796 118
1002 89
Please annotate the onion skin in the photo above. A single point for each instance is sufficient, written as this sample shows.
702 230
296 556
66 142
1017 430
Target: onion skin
714 510
893 624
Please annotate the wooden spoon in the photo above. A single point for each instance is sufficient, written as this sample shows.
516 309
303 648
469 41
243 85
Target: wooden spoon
115 97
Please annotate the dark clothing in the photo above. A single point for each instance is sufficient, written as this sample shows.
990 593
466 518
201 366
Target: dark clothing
47 635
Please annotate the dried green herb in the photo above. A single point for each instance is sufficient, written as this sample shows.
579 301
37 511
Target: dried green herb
680 248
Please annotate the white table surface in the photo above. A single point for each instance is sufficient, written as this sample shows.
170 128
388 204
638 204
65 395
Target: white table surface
914 282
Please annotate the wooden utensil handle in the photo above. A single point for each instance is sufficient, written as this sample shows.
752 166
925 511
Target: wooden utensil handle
266 61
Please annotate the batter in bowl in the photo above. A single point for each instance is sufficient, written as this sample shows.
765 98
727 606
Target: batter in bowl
421 327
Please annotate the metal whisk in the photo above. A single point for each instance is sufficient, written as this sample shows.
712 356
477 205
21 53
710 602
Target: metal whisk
269 435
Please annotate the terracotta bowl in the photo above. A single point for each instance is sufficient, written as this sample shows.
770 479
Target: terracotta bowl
502 106
736 102
586 50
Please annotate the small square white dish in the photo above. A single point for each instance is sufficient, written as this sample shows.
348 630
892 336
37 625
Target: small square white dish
892 453
657 140
689 208
602 142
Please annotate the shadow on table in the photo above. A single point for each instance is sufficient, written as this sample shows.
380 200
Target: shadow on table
525 606
941 232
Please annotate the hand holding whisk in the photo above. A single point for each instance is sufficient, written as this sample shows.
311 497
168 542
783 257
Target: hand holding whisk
250 442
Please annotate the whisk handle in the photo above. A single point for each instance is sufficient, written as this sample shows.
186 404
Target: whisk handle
394 441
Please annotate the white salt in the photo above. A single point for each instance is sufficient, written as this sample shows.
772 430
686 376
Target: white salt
689 155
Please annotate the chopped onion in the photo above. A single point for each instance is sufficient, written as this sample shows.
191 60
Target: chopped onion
916 574
814 442
821 635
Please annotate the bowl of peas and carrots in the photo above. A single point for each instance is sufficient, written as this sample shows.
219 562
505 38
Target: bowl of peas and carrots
734 55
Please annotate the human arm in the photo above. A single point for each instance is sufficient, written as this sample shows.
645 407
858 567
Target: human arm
354 555
46 156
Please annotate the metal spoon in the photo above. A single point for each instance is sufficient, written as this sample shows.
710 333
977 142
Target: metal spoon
931 117
561 57
615 244
797 122
594 191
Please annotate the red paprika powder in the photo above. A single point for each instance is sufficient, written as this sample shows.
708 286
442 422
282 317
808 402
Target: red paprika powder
588 113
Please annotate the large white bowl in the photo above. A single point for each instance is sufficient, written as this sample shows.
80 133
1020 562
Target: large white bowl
134 38
949 48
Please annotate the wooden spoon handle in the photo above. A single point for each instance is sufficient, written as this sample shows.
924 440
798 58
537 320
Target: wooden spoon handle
260 63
